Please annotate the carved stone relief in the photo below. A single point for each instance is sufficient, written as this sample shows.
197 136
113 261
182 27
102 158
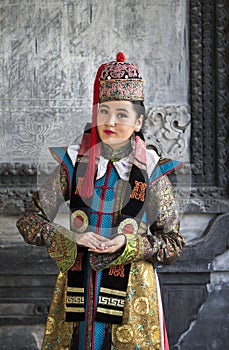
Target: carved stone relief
168 130
29 132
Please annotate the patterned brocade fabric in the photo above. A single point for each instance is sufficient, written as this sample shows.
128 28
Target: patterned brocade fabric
163 244
36 224
140 327
58 332
63 250
133 250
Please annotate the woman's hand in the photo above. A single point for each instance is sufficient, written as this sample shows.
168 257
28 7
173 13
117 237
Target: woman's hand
92 241
111 246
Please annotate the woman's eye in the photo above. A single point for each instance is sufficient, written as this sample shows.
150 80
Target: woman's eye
122 115
103 111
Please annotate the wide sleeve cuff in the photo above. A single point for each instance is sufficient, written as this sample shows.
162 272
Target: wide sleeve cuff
63 249
133 251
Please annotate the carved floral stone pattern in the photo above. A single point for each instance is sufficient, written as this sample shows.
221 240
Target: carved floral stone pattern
29 132
168 130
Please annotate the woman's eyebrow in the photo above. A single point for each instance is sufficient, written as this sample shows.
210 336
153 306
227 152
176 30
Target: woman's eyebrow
119 109
122 110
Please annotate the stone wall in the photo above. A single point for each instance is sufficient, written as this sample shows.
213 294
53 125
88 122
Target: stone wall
49 53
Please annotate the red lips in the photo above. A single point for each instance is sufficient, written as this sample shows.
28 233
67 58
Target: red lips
109 132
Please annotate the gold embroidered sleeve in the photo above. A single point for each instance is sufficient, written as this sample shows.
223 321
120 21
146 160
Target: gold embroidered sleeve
133 251
164 242
63 249
37 226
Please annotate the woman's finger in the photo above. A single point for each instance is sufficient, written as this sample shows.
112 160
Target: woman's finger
91 240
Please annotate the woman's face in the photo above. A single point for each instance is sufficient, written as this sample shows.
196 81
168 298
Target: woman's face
116 122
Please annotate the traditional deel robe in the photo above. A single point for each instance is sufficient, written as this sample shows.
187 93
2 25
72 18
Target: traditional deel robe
142 322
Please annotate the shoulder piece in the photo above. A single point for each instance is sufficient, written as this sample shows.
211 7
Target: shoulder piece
164 166
61 156
152 161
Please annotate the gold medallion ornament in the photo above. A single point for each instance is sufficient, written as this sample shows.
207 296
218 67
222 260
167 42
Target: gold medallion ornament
124 334
128 226
79 221
141 306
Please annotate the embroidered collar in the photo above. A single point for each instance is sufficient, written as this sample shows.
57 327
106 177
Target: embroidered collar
117 154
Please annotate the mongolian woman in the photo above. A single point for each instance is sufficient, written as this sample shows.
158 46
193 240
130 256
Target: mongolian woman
124 222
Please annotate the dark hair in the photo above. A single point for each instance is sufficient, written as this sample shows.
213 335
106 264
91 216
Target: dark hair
139 108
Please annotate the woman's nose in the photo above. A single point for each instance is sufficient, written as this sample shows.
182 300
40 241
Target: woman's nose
112 120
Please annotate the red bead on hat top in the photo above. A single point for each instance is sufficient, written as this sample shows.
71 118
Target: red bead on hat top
120 57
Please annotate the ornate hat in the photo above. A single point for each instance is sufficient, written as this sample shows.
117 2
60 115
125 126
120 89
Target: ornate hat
120 80
115 80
